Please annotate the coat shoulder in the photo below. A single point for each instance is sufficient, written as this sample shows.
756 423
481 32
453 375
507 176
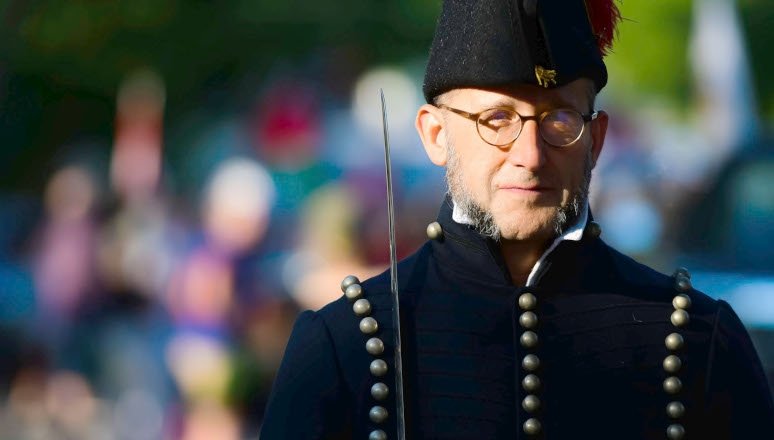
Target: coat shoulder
376 290
660 287
345 318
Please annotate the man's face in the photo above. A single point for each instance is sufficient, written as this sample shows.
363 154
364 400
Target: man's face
526 190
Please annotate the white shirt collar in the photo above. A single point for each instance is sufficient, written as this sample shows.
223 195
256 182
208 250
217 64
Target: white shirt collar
573 233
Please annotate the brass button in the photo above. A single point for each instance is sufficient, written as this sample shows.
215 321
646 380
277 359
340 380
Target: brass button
531 403
529 339
593 230
528 320
674 341
683 284
672 364
527 301
532 426
530 363
434 231
530 383
348 281
353 291
377 414
377 435
675 432
681 271
379 391
368 325
375 346
682 301
680 318
675 410
378 367
672 385
361 307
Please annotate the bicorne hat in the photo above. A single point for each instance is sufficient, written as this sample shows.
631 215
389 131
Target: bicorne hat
497 43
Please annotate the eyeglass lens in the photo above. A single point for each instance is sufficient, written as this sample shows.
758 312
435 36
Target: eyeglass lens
558 127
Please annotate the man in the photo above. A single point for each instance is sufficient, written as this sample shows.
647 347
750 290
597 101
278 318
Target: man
517 320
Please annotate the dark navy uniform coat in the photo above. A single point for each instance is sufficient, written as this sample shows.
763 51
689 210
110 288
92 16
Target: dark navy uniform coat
602 323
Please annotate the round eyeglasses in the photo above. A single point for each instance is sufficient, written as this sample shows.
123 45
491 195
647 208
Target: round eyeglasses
501 126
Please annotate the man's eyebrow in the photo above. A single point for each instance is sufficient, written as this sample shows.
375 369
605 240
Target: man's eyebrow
544 104
499 102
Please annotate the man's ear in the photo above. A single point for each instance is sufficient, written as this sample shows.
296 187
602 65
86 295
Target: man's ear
432 130
598 131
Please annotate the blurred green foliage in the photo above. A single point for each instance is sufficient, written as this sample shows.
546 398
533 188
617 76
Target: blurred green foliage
758 22
650 59
649 55
90 45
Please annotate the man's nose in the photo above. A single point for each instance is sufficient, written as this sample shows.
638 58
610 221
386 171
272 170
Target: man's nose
528 150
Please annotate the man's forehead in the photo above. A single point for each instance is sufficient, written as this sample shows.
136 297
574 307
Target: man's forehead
576 93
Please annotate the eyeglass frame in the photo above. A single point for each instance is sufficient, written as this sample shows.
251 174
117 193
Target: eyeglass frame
586 117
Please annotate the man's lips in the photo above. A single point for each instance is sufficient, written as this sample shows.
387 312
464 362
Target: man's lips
525 188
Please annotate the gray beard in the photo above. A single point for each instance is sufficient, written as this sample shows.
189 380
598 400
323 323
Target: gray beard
482 220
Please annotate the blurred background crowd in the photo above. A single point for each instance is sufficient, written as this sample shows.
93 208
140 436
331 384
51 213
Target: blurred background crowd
179 179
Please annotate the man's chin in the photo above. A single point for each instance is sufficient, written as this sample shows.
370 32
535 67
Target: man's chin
528 226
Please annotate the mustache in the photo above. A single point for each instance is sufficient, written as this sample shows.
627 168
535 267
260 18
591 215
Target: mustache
522 181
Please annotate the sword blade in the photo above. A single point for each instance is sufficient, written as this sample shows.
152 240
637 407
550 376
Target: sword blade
393 279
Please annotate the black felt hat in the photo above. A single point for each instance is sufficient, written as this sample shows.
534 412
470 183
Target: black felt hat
496 43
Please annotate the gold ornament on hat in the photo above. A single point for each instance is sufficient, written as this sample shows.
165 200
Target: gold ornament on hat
545 77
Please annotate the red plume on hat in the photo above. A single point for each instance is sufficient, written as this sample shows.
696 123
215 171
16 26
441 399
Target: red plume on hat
604 16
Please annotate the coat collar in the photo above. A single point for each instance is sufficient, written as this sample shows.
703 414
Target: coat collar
469 254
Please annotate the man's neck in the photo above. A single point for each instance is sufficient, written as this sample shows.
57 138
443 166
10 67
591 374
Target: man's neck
521 256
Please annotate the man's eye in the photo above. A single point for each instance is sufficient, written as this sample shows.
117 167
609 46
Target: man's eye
498 118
